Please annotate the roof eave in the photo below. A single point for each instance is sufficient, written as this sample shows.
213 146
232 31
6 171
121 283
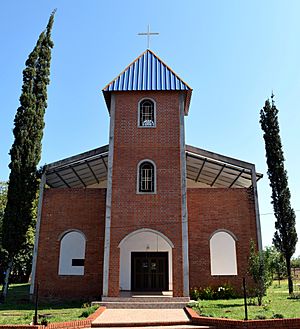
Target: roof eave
188 95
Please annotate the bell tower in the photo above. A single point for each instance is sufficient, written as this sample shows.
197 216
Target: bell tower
146 228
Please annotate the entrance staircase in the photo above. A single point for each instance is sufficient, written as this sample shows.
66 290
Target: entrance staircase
143 302
142 310
145 318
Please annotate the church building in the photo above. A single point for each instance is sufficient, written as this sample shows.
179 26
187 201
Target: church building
147 212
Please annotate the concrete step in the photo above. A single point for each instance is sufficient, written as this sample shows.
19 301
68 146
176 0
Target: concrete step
141 304
145 318
141 298
178 326
173 324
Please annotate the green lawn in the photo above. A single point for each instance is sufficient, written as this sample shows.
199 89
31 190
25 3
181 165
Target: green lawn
19 310
276 302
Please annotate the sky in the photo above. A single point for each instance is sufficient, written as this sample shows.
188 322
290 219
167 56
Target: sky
232 53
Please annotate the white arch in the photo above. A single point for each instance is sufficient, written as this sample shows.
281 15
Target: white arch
72 249
226 231
142 240
146 230
71 230
223 260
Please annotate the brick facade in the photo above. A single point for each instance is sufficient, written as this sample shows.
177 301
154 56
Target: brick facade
209 209
84 209
161 211
65 209
213 209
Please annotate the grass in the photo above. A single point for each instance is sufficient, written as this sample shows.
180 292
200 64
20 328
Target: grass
19 310
275 303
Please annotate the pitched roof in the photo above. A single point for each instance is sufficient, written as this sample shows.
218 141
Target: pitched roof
147 72
203 168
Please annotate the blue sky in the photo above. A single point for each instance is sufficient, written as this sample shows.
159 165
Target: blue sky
232 53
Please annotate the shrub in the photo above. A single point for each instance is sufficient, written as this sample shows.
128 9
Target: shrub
44 322
88 311
225 291
277 316
195 293
259 269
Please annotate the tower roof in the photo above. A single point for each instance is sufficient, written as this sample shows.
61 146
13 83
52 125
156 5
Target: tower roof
147 72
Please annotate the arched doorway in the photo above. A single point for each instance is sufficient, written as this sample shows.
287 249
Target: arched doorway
146 261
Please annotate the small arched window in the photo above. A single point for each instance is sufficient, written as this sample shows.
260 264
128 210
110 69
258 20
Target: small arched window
146 113
146 177
72 254
223 254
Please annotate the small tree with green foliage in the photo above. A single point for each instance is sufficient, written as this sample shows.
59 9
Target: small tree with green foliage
260 272
295 262
285 237
26 150
276 263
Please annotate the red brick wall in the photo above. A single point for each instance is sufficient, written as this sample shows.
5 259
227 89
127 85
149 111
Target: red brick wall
64 209
132 211
219 323
213 209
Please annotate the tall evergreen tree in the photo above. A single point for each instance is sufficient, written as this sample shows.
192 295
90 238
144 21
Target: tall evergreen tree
3 199
26 149
285 237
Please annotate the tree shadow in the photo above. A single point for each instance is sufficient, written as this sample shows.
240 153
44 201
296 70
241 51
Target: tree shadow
18 299
228 305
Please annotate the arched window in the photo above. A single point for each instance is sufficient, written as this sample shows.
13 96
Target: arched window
223 254
146 113
146 177
72 254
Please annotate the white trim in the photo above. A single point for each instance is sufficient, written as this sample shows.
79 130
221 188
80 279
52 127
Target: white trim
138 177
72 246
108 198
257 216
219 255
128 236
69 231
143 240
224 230
154 103
184 212
37 233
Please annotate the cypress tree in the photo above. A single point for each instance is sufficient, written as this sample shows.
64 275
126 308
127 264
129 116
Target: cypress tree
26 150
285 237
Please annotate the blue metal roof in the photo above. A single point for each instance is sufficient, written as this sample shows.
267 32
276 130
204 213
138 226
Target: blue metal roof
147 72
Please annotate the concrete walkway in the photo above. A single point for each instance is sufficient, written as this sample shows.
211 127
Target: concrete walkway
182 326
141 316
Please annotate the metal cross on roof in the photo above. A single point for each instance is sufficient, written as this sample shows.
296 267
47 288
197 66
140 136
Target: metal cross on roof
148 33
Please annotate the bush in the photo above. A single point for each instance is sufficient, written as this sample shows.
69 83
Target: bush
88 311
225 291
277 316
44 322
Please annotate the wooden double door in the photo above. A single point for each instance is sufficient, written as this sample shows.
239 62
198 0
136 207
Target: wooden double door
149 271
